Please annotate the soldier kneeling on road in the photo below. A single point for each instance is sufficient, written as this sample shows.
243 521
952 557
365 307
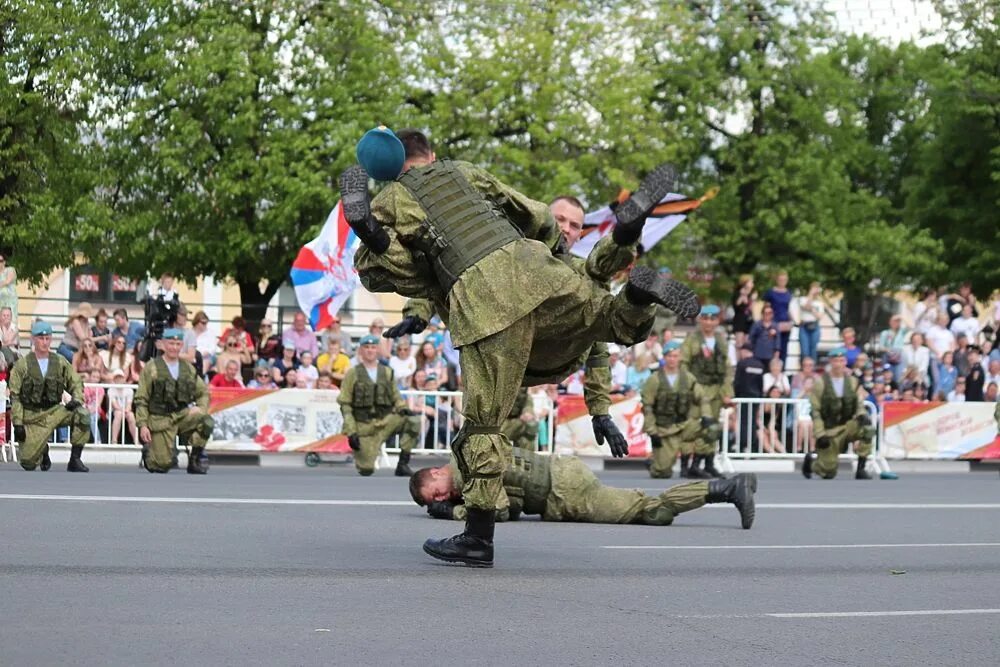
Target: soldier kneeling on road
374 411
37 383
172 401
839 419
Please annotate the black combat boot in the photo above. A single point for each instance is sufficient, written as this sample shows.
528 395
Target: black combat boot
684 474
647 286
472 547
739 491
710 467
695 469
632 212
75 464
356 204
862 472
194 462
807 465
403 465
46 461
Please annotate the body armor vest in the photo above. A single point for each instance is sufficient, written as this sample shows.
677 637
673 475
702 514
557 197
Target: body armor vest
710 371
168 395
837 410
40 392
672 403
461 225
372 400
529 480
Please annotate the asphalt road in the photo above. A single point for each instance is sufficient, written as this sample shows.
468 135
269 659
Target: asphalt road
252 566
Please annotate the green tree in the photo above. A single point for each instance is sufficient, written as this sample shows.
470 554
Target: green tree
773 110
223 127
955 192
44 192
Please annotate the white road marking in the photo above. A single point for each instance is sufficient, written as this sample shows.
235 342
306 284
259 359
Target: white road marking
720 547
202 501
913 612
403 503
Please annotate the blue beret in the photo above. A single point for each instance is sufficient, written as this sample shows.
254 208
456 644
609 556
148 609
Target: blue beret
381 153
710 310
173 334
41 329
671 346
369 340
837 352
664 269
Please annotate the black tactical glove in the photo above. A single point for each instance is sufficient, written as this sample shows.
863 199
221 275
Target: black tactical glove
708 422
411 324
441 510
19 433
604 428
72 405
655 441
406 412
863 420
354 442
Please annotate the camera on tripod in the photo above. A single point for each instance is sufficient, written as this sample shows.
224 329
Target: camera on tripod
160 308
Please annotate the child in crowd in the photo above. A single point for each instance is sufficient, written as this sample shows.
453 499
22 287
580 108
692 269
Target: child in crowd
307 371
93 397
120 401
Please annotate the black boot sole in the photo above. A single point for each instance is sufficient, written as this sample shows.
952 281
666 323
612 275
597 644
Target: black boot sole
807 466
672 295
748 512
468 562
654 188
403 472
354 195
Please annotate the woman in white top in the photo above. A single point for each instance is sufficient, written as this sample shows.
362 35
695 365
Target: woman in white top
810 315
117 358
966 324
776 378
925 313
917 356
403 363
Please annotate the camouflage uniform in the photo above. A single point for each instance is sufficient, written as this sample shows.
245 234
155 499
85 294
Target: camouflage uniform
562 488
715 376
672 413
834 417
511 305
163 405
372 412
36 403
521 433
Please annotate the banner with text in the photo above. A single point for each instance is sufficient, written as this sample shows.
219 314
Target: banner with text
940 431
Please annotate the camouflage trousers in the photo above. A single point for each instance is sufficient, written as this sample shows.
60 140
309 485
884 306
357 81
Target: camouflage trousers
825 464
683 438
577 495
39 426
373 433
195 429
553 336
710 437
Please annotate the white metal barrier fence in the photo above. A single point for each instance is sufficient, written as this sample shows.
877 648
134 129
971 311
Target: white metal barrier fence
780 429
113 420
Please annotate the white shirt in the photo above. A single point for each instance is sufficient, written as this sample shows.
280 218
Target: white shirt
44 365
173 367
372 372
619 373
781 381
672 379
206 342
967 325
955 398
311 374
838 386
940 340
403 368
919 358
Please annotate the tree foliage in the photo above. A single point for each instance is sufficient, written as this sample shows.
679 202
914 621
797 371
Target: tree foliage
205 137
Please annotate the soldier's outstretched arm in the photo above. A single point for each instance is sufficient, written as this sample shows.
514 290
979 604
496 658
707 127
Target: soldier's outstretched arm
74 384
416 314
608 258
597 380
